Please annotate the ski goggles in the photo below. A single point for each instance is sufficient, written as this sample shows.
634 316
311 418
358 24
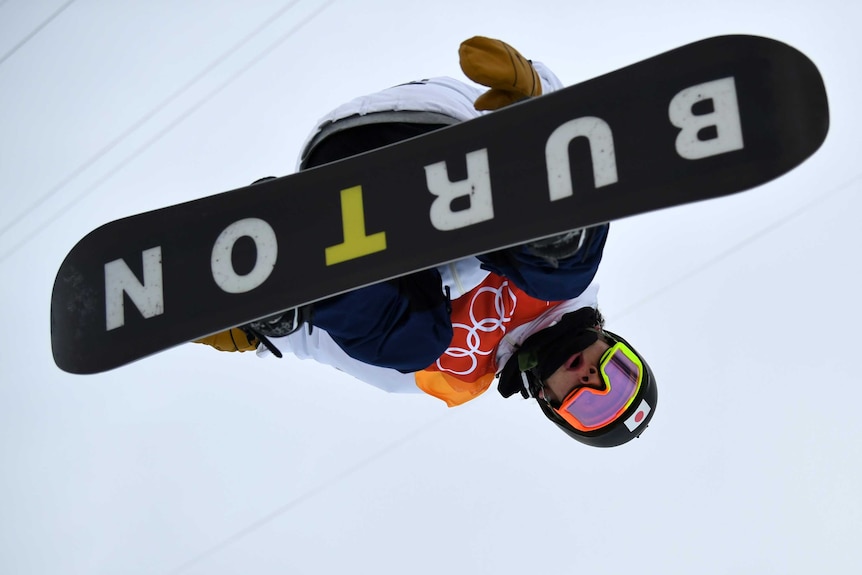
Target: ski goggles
587 409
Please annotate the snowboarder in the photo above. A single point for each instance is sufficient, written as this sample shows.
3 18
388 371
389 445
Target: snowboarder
526 315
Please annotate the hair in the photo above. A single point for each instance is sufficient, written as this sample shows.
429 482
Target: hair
600 319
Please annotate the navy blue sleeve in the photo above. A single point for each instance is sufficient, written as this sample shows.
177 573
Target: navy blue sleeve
402 324
542 279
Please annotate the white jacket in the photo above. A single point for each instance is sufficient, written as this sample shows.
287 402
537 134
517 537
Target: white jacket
440 100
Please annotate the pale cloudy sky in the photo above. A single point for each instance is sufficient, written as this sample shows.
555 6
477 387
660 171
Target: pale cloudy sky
197 462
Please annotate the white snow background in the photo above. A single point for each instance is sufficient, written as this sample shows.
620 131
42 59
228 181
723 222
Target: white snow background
748 309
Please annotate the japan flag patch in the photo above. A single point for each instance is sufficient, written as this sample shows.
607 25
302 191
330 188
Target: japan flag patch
639 416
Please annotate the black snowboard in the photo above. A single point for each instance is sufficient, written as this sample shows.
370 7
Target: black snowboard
708 119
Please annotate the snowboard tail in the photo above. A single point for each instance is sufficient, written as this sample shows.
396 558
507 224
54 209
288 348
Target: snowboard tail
709 119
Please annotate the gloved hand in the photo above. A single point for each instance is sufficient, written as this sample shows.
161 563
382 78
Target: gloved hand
235 339
495 64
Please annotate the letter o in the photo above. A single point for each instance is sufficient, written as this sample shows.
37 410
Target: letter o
264 240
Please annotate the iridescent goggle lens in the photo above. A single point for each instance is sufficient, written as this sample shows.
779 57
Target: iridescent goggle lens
587 409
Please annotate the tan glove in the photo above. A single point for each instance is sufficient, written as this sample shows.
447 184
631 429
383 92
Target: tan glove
495 64
231 340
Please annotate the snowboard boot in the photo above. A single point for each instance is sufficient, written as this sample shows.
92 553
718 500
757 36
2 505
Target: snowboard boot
279 325
556 248
284 323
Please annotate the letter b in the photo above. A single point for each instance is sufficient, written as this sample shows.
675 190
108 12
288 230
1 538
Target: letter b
724 118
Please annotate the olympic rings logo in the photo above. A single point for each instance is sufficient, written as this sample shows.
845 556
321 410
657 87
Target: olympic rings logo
464 360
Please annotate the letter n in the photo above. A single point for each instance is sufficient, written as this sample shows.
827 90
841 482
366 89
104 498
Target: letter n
148 296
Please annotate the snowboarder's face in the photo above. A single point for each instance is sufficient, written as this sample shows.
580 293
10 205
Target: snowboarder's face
580 370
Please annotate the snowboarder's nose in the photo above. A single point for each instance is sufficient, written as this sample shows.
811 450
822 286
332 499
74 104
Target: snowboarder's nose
589 375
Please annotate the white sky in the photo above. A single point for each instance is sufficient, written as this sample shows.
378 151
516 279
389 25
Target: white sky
198 462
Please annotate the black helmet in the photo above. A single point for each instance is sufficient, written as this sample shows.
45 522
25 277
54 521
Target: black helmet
546 350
